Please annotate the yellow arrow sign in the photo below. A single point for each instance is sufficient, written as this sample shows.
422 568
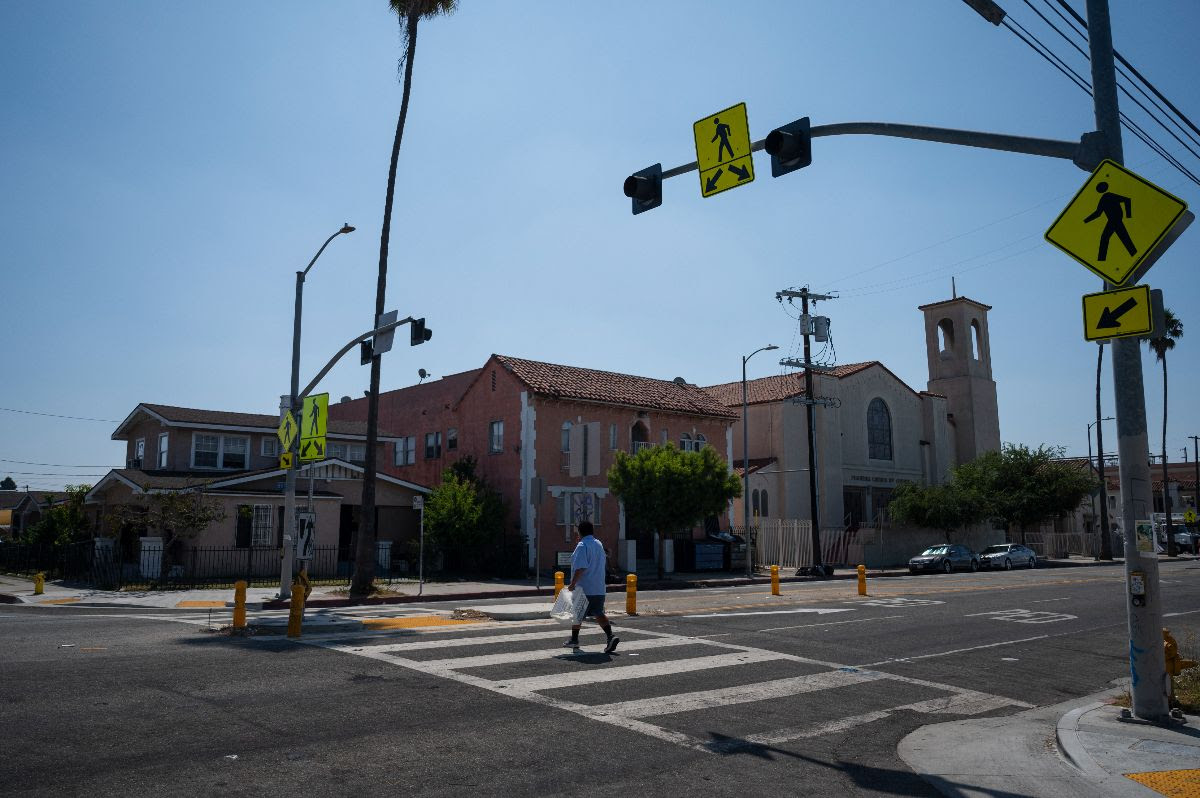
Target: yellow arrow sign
1189 516
723 150
1117 314
285 460
1114 222
287 431
313 423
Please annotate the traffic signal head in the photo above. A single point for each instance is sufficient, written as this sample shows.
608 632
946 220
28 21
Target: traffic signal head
366 351
790 147
418 334
645 188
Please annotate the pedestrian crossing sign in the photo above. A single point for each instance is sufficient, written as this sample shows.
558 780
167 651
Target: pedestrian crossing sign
1115 222
723 150
313 423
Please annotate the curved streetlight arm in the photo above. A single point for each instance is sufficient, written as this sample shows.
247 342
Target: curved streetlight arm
746 460
345 229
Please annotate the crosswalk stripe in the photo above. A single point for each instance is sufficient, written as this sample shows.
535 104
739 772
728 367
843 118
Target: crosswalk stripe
739 694
650 669
457 642
512 657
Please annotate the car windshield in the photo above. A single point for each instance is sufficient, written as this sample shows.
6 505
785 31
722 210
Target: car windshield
995 549
934 550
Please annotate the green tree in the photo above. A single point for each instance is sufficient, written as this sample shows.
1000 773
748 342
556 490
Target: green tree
452 519
667 490
61 523
173 516
1172 331
8 484
410 13
1020 486
948 507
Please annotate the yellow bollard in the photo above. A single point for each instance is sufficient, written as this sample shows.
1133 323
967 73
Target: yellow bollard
631 594
775 580
296 611
302 578
862 580
559 580
239 604
39 584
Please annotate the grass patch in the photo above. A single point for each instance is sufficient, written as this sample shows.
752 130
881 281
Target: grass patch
1187 684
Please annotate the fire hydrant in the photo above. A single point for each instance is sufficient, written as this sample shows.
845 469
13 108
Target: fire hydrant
39 584
1175 663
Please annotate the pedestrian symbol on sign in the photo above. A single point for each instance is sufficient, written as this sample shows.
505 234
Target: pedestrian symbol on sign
722 134
1111 205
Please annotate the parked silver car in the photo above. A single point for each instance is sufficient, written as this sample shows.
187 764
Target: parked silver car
1007 555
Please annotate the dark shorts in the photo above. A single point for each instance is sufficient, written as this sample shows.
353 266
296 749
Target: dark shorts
595 606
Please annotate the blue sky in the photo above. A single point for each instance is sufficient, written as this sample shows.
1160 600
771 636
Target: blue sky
168 167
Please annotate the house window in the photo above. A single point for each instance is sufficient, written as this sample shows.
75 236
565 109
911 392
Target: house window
433 445
451 439
566 436
754 505
219 451
612 436
139 450
356 453
163 441
666 436
496 437
337 450
270 446
261 532
700 443
685 442
406 451
879 431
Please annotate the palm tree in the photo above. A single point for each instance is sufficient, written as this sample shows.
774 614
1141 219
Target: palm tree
409 12
1171 332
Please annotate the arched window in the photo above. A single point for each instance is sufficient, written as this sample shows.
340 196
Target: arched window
879 431
945 336
566 436
762 499
976 345
700 442
685 442
754 503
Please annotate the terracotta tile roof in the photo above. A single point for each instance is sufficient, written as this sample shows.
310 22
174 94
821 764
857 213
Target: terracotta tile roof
224 418
590 385
955 299
777 388
756 464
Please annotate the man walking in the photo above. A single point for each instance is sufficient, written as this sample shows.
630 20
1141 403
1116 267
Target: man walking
587 573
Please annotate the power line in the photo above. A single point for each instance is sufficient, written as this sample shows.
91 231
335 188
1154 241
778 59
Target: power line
50 474
55 465
56 415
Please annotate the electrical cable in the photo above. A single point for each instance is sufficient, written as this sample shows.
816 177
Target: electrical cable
53 465
56 415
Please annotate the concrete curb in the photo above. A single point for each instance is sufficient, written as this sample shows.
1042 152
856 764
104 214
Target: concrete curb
1066 734
9 598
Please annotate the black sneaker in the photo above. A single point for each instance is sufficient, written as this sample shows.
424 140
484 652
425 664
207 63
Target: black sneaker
612 644
572 643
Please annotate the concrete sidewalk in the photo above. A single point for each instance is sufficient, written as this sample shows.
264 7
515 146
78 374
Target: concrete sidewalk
1077 749
19 590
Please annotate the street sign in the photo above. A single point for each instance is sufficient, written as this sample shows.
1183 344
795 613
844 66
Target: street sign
1115 222
1189 517
1117 314
723 150
306 533
287 430
285 460
418 502
312 427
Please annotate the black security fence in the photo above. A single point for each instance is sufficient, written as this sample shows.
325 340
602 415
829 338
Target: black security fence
179 567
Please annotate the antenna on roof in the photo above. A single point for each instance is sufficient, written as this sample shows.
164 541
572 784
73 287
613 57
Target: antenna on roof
953 289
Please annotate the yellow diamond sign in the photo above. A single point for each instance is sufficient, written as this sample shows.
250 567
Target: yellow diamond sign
312 427
1117 314
287 431
1115 222
723 150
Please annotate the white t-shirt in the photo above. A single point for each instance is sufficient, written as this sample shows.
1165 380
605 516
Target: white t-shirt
589 554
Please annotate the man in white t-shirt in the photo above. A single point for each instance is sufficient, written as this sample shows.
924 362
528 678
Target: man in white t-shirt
588 564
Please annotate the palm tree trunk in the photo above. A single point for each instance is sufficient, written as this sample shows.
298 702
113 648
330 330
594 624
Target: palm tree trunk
1105 533
1171 552
364 555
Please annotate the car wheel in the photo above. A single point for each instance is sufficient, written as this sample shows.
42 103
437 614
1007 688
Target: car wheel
1007 564
947 567
1032 561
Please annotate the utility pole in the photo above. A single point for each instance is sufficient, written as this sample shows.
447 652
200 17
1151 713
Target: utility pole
1147 663
818 567
1105 529
1196 463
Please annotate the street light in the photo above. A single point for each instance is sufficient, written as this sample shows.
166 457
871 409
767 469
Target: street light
746 462
1105 539
288 405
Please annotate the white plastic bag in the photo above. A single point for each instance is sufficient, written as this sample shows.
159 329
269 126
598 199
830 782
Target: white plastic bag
569 607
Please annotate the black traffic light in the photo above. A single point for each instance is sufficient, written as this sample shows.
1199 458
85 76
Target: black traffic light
418 334
645 188
790 147
366 351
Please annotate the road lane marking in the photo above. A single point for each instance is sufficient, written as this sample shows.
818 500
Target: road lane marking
1173 614
1024 616
897 601
1043 601
829 623
955 651
815 610
558 652
557 681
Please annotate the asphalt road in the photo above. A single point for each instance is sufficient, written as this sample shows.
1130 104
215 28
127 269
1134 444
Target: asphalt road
716 692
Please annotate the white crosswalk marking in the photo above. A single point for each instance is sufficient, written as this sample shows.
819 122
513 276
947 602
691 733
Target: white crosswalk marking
590 667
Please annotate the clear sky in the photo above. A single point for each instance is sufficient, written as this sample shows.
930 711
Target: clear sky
168 166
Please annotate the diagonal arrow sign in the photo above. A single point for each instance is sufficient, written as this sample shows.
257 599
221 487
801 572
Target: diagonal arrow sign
741 172
1111 318
712 181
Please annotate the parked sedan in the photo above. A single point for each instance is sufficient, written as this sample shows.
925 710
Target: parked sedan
1007 555
944 558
